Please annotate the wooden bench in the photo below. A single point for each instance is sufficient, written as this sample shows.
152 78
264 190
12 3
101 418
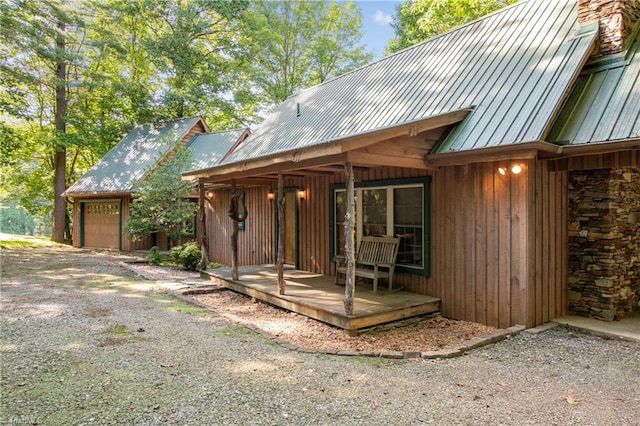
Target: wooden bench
375 259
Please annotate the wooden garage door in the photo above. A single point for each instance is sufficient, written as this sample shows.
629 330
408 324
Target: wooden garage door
102 224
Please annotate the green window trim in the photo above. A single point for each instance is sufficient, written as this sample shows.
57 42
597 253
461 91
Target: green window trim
425 181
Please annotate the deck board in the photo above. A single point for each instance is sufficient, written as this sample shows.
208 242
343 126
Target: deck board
318 297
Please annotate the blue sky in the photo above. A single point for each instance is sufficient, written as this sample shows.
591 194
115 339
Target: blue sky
376 19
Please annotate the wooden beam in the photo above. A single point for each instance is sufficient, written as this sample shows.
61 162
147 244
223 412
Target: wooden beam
281 225
202 229
325 153
234 240
366 158
349 249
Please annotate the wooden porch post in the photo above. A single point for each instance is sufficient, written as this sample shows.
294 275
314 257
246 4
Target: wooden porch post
281 226
234 240
204 243
349 252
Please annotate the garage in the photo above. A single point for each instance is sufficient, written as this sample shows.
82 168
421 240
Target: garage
101 224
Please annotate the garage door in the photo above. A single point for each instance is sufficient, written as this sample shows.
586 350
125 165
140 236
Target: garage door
101 224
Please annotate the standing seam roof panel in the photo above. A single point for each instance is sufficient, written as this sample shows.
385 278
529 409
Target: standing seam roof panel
428 79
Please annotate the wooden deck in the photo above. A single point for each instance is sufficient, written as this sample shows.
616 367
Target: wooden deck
318 297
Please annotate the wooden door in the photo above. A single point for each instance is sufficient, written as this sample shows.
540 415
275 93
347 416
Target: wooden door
101 224
291 227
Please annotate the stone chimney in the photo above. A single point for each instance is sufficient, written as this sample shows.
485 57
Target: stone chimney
617 21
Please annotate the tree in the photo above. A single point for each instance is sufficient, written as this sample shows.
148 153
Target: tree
293 45
161 203
191 46
419 20
39 44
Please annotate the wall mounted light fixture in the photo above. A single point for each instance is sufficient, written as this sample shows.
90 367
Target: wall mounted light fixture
271 195
302 194
515 169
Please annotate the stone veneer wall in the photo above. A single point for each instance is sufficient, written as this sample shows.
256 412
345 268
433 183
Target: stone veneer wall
617 20
604 242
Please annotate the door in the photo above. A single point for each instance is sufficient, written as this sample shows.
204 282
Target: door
101 224
291 227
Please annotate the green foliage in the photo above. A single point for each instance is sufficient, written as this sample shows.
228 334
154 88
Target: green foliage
294 45
155 257
419 20
14 219
187 255
160 203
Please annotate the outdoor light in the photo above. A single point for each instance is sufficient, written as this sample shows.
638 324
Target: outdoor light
271 195
515 169
209 194
302 194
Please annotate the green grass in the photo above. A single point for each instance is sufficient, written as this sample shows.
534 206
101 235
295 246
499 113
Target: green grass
21 241
371 361
170 303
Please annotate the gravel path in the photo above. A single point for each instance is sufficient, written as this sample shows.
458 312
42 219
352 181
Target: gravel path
83 341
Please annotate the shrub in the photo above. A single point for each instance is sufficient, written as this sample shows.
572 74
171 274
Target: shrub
175 254
155 258
190 256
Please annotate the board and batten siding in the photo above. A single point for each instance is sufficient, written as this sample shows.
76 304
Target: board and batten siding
255 241
498 243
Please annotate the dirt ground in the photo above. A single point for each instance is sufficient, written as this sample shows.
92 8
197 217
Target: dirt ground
421 334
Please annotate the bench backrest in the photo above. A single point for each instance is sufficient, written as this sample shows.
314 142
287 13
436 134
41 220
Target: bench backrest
378 250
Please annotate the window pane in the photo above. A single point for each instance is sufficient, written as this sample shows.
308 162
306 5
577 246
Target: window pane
407 224
374 212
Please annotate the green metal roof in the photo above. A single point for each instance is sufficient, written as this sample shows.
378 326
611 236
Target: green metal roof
124 164
604 104
208 149
513 66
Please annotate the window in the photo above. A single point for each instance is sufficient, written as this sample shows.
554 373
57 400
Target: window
388 208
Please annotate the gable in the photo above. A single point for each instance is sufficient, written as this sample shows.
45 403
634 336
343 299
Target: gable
128 161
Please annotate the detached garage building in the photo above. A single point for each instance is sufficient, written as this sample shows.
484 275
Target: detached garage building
102 196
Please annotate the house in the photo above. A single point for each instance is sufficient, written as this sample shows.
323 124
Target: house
102 196
505 153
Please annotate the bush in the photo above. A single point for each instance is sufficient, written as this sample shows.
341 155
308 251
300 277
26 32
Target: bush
175 254
155 258
190 256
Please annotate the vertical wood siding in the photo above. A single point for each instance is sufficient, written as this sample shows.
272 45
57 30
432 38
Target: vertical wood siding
255 242
498 243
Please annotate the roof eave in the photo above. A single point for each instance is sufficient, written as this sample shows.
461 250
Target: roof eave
331 148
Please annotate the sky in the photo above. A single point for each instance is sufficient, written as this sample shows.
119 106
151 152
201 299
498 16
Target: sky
376 19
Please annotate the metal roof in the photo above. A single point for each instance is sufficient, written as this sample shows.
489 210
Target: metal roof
514 66
604 104
124 164
208 149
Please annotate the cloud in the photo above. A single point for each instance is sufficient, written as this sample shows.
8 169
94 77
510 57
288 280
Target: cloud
382 18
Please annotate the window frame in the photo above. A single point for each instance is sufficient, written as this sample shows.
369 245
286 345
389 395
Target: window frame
390 185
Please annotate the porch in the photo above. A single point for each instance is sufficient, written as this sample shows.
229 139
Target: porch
318 297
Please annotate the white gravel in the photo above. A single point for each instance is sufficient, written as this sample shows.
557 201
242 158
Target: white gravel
85 342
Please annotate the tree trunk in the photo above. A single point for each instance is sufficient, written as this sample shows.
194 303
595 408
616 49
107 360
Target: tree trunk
234 240
349 252
204 242
60 159
281 225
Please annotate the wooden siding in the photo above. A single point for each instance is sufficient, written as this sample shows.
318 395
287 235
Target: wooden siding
498 243
605 161
548 233
255 243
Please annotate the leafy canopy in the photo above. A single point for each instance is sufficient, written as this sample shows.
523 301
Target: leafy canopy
420 20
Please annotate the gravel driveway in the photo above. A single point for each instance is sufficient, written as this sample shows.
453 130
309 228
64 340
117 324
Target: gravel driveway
83 341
